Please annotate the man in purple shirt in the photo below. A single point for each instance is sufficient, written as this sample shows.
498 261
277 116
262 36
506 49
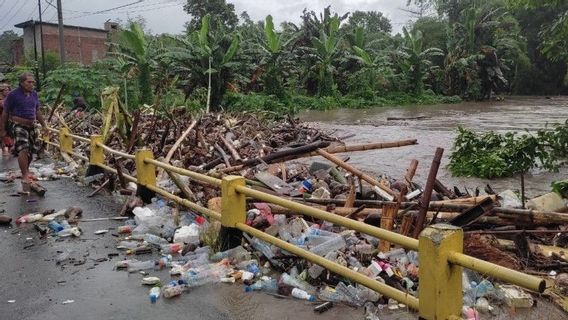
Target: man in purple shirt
21 110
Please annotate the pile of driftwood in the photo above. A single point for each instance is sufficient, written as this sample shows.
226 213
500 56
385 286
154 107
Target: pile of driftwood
261 150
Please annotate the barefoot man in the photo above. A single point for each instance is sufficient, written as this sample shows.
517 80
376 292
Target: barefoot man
21 110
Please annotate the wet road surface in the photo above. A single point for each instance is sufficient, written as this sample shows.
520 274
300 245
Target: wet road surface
434 126
39 286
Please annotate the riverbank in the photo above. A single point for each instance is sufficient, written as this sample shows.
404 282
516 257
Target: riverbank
296 103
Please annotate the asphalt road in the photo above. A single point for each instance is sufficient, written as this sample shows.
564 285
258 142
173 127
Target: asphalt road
30 276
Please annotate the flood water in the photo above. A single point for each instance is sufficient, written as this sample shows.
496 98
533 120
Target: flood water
435 126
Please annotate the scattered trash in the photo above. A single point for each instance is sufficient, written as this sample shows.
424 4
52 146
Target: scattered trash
11 301
101 232
68 301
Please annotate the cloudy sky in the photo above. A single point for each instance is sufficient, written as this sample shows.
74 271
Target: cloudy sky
167 16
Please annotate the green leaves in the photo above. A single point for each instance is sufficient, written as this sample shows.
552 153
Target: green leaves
272 39
493 155
203 34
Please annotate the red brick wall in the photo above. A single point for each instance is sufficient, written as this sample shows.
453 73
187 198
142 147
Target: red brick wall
83 46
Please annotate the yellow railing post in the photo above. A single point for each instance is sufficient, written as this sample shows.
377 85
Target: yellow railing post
97 155
65 141
233 211
440 294
145 174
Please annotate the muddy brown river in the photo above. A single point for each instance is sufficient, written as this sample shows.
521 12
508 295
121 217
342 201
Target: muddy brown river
435 126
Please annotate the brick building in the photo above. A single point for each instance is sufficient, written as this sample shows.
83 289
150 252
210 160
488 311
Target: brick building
82 44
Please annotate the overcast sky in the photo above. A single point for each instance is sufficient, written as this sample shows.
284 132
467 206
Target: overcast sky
167 16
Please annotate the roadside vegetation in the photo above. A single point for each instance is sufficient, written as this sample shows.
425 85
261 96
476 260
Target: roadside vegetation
453 50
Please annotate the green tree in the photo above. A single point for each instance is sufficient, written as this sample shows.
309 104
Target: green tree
415 59
326 49
6 40
370 21
220 11
274 46
204 59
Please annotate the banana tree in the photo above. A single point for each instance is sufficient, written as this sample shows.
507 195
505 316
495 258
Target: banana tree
326 50
204 59
415 60
273 47
134 51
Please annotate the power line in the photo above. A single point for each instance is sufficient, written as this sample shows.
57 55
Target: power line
156 6
9 11
14 15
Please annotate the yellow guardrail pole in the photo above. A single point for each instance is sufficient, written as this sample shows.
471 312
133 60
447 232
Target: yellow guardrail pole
193 175
440 294
97 156
380 287
390 236
498 272
65 141
233 211
115 152
146 174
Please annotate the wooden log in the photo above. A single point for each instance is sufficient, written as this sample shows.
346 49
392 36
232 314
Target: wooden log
427 195
390 194
410 172
546 250
388 215
188 194
120 175
441 189
97 190
231 149
223 154
272 157
472 214
341 211
133 132
354 148
176 145
406 225
349 202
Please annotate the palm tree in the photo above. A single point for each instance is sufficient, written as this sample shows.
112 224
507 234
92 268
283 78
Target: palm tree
415 59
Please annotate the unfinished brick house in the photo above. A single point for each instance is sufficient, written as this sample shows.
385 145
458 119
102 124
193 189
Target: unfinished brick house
82 44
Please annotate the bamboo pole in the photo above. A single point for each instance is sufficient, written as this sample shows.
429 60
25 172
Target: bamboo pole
390 194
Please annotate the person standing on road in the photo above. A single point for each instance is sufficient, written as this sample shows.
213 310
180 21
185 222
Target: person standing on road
21 110
7 141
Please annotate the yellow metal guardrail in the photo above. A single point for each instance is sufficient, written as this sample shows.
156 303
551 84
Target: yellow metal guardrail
440 247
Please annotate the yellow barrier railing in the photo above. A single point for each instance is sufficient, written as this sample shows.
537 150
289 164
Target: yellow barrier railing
439 247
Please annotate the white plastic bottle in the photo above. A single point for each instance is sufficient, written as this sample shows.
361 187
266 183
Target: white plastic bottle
301 294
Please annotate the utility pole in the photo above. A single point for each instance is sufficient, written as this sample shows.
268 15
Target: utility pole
61 36
42 46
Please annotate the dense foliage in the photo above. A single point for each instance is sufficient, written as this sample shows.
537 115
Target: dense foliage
469 49
494 155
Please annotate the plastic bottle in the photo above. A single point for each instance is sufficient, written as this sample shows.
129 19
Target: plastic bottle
172 248
139 250
268 285
169 229
237 253
301 294
65 224
315 270
205 274
172 291
261 246
483 288
123 264
349 293
155 240
297 283
69 232
314 240
154 294
336 244
55 226
141 265
319 232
